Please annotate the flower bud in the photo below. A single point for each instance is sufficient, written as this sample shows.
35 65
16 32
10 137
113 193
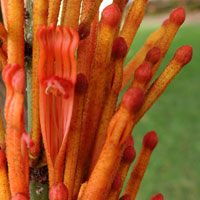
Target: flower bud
111 15
133 99
20 196
125 197
184 54
153 55
2 158
58 192
157 197
129 154
117 182
178 16
119 49
143 73
150 140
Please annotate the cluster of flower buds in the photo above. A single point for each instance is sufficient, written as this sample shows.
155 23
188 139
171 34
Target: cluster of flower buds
78 130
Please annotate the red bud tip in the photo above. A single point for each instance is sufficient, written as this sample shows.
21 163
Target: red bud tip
157 197
125 197
129 154
184 54
178 16
143 73
130 141
81 83
83 31
133 99
111 15
153 55
20 196
18 81
58 192
150 140
165 22
2 158
117 183
119 49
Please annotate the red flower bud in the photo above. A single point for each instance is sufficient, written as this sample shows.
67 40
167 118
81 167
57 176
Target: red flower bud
178 16
125 197
117 182
129 154
20 196
157 197
184 54
111 15
153 55
143 73
2 158
58 192
150 140
119 49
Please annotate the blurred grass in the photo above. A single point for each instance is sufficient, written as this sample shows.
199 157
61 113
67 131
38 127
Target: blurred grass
175 164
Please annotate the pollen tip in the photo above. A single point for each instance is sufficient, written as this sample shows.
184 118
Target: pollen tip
125 197
157 197
81 83
129 154
133 99
117 182
58 191
83 31
119 48
184 54
2 158
143 73
150 140
19 196
111 15
153 55
178 16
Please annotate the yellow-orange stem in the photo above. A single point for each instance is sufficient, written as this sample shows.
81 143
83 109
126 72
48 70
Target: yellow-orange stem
72 13
132 20
53 11
40 12
94 97
15 48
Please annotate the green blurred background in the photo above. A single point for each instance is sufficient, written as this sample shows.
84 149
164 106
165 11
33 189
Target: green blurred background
174 168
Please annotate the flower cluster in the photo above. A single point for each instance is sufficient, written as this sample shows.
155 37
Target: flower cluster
77 128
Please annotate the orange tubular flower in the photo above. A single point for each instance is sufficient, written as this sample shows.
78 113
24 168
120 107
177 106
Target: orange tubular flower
17 156
56 93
